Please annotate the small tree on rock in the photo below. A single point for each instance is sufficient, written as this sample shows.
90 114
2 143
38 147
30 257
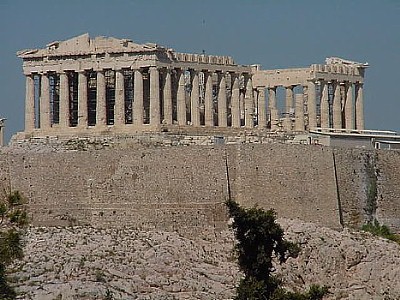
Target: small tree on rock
259 240
13 218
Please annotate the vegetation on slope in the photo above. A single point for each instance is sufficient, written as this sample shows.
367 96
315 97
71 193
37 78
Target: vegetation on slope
13 218
259 240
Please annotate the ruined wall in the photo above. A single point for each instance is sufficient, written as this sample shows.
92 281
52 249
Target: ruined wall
184 187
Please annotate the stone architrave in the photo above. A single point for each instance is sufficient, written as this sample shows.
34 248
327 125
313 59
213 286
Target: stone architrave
138 98
44 102
101 100
208 101
82 100
359 107
235 102
181 99
222 109
119 98
349 114
64 100
154 96
167 96
29 103
194 100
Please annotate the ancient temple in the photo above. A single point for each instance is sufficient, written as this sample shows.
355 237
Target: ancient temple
85 86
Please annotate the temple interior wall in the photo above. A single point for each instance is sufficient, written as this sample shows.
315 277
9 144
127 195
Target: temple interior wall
183 188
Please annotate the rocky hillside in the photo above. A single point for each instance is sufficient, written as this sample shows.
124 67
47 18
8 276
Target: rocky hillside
89 263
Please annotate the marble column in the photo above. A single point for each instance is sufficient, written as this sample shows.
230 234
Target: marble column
262 118
82 100
194 100
249 105
235 101
138 98
101 99
349 114
29 103
337 107
222 109
299 113
208 101
359 107
288 107
311 105
64 101
154 96
119 98
274 118
181 101
167 96
324 105
44 102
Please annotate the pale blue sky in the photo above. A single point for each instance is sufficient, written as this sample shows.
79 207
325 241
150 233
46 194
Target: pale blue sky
275 34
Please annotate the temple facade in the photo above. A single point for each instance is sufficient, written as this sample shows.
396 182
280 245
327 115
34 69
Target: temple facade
85 86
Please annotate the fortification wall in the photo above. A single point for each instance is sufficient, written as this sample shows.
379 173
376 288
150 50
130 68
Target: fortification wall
297 181
184 187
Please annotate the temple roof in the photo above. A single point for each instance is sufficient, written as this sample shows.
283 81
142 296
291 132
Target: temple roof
84 45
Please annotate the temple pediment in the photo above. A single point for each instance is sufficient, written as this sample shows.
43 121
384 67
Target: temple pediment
84 45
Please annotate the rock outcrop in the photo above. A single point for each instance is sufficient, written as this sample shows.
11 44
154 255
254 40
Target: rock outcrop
90 263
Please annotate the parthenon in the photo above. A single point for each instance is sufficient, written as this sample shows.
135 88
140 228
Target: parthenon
86 86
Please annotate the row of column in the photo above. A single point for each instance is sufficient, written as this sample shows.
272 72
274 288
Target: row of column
247 105
337 110
156 93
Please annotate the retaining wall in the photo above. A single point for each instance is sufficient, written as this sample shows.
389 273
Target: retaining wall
183 188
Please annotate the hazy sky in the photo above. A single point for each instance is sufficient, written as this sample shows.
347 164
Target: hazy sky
275 34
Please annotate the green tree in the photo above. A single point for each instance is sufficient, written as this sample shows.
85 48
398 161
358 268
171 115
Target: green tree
13 219
259 239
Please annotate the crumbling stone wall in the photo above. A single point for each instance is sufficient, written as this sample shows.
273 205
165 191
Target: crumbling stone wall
184 187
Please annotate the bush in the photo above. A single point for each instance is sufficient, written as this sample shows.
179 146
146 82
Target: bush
259 239
381 230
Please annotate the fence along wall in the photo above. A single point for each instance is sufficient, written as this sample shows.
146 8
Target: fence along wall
183 188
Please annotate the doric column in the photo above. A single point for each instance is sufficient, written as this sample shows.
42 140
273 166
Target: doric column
359 107
29 103
324 105
64 100
101 99
119 98
154 96
337 107
44 102
299 112
208 101
180 99
235 106
262 118
274 119
222 111
167 96
311 105
349 107
249 105
82 100
288 108
138 98
194 100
